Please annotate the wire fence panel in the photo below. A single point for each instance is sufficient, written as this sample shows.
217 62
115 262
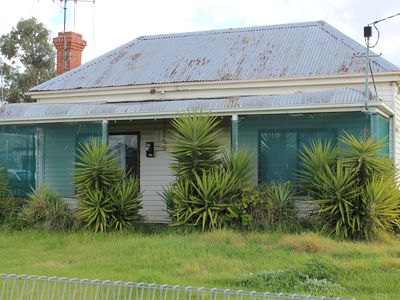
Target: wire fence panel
25 287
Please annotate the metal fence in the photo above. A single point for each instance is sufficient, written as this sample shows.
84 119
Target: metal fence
25 287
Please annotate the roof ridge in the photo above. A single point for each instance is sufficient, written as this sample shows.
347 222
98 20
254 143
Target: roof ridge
230 30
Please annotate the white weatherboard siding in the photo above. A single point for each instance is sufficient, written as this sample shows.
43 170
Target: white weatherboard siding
155 172
397 124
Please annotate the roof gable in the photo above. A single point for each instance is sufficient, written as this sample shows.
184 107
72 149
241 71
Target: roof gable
267 52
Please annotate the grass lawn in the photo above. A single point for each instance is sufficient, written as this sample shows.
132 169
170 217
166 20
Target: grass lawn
220 259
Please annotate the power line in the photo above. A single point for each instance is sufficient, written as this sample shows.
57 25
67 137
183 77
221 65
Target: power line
384 19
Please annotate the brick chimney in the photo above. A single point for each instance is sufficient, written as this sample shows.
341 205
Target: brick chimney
74 47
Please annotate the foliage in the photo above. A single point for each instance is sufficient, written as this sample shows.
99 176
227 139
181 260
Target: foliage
381 203
95 210
29 58
196 146
125 199
252 210
5 203
3 181
313 161
108 198
96 167
45 210
206 200
209 179
353 185
363 157
281 205
268 207
316 277
239 164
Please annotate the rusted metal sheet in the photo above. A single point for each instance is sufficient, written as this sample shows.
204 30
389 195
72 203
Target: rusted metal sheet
280 51
36 111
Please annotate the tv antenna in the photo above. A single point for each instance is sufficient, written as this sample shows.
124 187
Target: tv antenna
63 4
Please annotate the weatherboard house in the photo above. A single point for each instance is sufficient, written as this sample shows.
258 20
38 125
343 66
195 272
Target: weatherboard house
274 87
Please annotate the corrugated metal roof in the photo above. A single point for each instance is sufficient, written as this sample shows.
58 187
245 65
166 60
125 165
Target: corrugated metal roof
280 51
37 111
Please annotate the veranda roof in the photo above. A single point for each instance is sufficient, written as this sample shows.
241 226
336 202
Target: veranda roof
63 112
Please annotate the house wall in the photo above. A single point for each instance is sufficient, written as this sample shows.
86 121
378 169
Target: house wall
155 173
396 123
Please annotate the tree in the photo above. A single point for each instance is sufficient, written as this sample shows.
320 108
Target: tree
29 59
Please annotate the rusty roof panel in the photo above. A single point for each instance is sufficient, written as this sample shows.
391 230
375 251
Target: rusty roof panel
280 51
130 110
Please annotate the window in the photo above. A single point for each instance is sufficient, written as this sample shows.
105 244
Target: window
279 150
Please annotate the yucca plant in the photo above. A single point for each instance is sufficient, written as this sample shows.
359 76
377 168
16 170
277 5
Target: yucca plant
108 198
125 203
196 146
280 205
338 200
209 179
362 155
46 210
213 198
380 199
94 210
354 186
95 167
239 164
313 161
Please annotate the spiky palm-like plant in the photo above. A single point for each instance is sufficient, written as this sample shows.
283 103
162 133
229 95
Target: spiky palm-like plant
382 209
206 200
314 160
95 167
280 204
363 157
358 194
239 164
94 210
45 209
197 144
108 199
125 200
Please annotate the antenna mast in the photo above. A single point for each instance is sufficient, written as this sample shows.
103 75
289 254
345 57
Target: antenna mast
65 25
367 36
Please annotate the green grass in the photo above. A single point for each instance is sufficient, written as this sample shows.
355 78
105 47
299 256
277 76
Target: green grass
220 259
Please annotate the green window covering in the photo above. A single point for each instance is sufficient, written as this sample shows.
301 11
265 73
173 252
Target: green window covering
276 140
17 154
380 129
43 155
279 151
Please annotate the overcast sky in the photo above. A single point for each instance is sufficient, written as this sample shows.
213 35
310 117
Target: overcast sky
109 23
